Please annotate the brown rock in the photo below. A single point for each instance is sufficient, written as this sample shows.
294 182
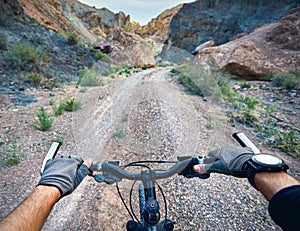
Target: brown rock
130 49
158 28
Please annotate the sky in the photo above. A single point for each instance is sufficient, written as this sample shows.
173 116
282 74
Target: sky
139 10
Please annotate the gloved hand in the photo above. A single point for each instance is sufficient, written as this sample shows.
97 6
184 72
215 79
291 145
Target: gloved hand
64 173
227 160
189 172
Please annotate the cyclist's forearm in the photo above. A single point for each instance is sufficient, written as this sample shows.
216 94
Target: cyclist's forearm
271 183
32 213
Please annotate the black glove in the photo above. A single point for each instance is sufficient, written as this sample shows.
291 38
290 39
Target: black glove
189 172
229 160
64 173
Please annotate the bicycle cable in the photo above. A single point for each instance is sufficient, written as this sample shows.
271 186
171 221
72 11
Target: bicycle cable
141 164
131 213
130 202
123 201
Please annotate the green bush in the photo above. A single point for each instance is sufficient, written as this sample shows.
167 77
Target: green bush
69 103
120 132
72 39
197 80
100 55
249 102
290 143
24 57
44 121
11 153
88 77
57 110
189 85
287 81
245 85
32 77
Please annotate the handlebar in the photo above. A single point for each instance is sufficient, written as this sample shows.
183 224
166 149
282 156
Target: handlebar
112 172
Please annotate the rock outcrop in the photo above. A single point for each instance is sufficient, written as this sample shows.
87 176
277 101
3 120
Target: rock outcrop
272 48
130 49
71 16
200 21
158 28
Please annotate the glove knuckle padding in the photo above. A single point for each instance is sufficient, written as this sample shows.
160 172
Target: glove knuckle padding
64 173
233 159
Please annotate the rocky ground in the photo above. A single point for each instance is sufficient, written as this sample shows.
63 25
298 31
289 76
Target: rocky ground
160 121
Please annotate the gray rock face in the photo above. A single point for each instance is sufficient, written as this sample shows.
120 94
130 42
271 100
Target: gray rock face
271 48
222 20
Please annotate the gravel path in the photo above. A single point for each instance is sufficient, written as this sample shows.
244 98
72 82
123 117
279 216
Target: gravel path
158 121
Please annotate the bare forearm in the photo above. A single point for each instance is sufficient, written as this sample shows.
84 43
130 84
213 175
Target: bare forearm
271 183
33 212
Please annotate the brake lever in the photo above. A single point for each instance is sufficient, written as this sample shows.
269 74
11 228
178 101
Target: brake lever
104 177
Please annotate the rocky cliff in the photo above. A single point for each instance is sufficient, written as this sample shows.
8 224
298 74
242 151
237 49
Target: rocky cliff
158 28
74 17
222 20
271 48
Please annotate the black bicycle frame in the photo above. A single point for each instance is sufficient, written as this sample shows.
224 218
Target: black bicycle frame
150 215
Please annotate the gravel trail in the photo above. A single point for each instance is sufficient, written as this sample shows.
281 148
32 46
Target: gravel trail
148 116
160 122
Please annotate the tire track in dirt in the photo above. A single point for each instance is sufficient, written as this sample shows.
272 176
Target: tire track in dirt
160 121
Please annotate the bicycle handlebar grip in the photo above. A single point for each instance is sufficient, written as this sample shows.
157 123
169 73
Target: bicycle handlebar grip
244 141
50 155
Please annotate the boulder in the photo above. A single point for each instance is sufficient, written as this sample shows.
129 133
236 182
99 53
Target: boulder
272 48
130 49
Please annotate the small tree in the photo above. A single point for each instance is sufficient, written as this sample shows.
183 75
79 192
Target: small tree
44 121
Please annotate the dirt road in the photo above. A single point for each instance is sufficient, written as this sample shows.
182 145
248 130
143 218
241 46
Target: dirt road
148 116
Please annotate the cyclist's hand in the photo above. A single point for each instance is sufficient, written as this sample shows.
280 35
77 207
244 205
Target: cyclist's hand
226 160
189 172
64 173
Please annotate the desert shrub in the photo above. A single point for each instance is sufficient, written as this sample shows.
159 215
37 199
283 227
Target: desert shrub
69 103
72 39
189 85
287 81
57 110
32 77
289 143
245 84
44 121
244 110
125 70
24 57
88 77
200 81
11 152
120 132
100 55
